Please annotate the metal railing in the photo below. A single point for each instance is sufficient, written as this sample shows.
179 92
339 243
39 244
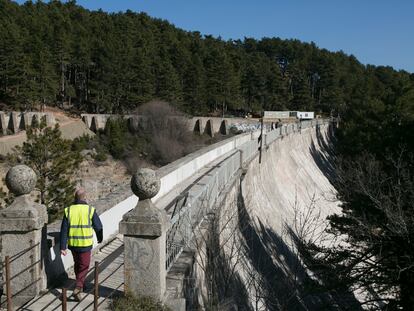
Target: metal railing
8 277
191 208
8 284
63 305
96 304
180 232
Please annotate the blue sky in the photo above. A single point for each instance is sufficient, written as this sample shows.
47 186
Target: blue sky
379 32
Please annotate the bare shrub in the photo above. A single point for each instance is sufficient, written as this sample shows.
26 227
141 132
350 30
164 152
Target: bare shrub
166 149
168 131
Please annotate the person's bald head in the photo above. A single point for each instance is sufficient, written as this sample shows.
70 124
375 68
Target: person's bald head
80 194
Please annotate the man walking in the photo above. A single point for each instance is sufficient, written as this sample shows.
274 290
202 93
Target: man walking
76 233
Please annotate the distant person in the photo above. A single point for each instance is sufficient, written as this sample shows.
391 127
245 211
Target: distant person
76 233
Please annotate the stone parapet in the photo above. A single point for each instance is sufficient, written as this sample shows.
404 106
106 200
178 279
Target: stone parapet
23 236
144 229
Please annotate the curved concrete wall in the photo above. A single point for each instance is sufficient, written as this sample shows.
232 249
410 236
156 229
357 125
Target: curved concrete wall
266 184
288 195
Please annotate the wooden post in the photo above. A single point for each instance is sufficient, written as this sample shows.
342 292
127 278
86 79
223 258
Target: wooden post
64 299
96 287
8 285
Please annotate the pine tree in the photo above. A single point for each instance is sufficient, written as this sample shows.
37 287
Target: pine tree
55 164
115 134
194 87
168 86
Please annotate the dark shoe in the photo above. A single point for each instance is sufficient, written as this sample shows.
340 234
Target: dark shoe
77 294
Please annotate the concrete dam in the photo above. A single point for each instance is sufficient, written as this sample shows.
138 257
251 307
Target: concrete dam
228 220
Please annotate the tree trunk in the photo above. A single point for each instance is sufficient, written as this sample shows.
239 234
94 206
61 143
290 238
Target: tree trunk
62 82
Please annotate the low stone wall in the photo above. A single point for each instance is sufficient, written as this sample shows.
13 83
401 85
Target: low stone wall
177 171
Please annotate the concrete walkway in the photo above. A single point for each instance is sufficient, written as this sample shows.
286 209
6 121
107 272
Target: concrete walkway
111 283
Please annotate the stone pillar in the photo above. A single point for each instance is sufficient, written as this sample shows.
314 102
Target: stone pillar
87 120
144 229
95 124
50 119
23 236
3 124
14 122
24 121
198 127
209 129
224 127
133 124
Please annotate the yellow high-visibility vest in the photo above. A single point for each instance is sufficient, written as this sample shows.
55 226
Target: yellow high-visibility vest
79 218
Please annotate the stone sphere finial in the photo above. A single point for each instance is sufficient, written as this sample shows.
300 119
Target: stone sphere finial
21 179
145 183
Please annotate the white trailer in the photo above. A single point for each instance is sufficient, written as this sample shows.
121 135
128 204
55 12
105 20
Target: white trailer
306 115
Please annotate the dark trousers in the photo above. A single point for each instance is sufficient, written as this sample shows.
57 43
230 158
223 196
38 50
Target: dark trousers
82 261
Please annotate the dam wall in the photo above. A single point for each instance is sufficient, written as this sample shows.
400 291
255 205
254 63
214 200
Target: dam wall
265 212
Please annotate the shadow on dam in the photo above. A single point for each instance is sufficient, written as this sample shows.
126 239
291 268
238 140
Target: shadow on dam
281 279
324 156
